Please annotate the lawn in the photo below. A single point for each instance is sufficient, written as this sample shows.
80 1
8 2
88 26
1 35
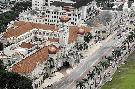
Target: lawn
124 78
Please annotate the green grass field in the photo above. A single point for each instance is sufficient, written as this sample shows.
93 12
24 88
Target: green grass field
124 78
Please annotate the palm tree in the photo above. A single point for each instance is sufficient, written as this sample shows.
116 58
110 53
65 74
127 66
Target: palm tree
91 75
109 59
79 46
116 54
104 64
127 42
85 46
130 37
86 80
123 47
97 69
80 84
88 37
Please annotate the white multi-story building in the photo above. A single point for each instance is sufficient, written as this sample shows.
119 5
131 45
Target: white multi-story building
49 12
45 38
38 50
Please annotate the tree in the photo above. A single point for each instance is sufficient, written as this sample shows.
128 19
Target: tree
116 53
91 75
97 69
85 46
123 47
14 81
110 58
104 64
131 36
126 42
9 80
86 80
2 67
88 37
80 84
12 15
20 6
79 46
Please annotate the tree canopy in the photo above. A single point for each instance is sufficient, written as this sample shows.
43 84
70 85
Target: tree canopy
9 80
12 15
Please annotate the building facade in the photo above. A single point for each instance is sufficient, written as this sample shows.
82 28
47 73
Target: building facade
39 50
49 12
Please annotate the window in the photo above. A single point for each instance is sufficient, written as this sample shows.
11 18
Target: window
36 85
51 34
39 33
47 34
55 35
44 33
69 14
72 23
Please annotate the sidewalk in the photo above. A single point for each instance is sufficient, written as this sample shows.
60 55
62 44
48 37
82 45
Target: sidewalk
48 82
91 50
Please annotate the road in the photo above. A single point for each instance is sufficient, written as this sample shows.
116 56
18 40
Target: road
69 81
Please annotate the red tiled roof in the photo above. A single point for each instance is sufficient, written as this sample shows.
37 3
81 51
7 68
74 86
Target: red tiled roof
23 27
44 26
17 31
26 45
53 39
29 64
19 23
73 33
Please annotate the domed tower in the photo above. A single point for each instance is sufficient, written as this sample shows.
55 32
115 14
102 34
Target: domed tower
64 32
81 32
52 51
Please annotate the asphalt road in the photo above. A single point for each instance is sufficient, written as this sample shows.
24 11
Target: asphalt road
69 81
